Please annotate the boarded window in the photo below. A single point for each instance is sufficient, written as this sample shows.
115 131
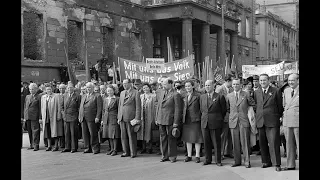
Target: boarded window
135 47
257 28
108 44
33 36
75 38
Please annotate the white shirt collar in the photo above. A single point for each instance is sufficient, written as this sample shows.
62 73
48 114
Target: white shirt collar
265 89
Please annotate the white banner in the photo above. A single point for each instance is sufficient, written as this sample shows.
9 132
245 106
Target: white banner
154 64
271 70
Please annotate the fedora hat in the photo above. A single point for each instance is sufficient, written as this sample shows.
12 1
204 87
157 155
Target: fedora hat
136 127
175 132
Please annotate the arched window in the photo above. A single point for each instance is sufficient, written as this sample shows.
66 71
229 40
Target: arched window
247 28
239 28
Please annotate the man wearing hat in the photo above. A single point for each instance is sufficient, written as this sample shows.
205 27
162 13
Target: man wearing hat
168 117
213 109
129 110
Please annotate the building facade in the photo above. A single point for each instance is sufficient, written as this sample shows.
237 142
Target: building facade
277 38
54 30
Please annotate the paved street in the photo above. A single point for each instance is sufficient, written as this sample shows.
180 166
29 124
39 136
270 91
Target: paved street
44 165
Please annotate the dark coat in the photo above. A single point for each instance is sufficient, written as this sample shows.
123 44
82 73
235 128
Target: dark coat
32 108
269 110
192 107
71 107
110 113
91 107
169 108
212 113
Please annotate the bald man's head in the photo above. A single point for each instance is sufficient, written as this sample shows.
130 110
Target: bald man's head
293 80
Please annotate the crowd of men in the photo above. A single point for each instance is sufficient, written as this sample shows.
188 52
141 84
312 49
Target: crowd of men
227 120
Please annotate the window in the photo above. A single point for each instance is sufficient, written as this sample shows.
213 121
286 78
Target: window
269 50
135 46
33 36
157 45
247 28
75 37
108 43
272 30
276 31
239 28
176 47
269 28
257 28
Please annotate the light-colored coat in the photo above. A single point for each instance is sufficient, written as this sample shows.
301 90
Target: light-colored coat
291 108
238 111
54 112
145 130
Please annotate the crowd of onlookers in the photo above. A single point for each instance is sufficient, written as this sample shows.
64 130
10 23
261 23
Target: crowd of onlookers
237 117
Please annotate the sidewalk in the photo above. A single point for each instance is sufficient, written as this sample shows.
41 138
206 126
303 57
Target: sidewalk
43 165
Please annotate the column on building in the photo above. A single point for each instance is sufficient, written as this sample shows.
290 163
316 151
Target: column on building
234 49
186 37
220 48
205 37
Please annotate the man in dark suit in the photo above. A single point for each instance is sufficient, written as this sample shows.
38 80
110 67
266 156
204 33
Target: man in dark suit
32 113
70 113
238 103
129 109
90 113
169 114
60 124
213 110
256 86
269 109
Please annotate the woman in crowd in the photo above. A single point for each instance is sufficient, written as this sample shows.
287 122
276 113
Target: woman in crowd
191 131
248 86
111 129
50 111
147 118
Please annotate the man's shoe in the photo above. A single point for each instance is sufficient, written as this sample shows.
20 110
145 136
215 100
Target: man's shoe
96 152
73 151
30 148
219 164
36 149
87 151
48 149
248 166
235 165
133 156
109 153
143 151
124 155
114 153
55 149
65 150
163 160
287 169
229 156
265 165
188 159
278 168
173 160
206 163
197 159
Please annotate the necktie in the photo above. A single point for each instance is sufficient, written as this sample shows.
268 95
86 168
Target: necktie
209 97
292 93
264 94
237 97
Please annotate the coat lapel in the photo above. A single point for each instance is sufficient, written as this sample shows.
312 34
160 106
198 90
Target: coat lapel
126 98
214 96
269 94
295 96
111 103
193 98
241 97
167 96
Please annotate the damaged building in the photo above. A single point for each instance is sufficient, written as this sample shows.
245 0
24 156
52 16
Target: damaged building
52 30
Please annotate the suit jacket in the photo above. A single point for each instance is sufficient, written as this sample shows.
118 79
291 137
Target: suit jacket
110 112
129 106
212 113
71 107
224 91
169 108
291 108
192 107
238 111
90 107
270 109
32 107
